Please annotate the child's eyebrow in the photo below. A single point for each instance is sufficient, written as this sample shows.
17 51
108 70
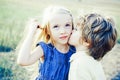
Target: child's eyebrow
69 22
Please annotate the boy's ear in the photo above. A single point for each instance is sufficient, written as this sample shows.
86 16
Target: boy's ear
86 44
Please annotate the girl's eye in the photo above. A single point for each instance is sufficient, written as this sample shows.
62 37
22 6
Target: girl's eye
56 26
67 25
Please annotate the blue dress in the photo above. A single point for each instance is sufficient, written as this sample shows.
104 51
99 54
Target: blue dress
56 65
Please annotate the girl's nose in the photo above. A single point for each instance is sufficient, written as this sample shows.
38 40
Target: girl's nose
62 30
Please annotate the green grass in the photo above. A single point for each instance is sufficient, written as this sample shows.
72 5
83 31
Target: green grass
9 70
15 13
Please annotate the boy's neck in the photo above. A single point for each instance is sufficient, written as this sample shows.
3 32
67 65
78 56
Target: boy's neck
81 48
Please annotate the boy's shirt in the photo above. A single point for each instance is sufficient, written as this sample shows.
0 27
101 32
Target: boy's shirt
85 67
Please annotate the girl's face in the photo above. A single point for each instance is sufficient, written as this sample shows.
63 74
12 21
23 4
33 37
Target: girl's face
60 28
75 36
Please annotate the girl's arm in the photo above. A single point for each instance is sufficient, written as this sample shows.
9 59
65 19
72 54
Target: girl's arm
26 56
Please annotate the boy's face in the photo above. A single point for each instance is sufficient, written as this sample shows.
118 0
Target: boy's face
60 28
75 36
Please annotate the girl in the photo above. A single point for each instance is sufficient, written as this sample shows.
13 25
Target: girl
54 49
93 37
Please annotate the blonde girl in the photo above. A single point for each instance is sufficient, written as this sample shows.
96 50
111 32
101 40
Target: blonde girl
53 49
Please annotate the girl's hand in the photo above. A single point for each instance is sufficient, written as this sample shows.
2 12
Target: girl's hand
32 26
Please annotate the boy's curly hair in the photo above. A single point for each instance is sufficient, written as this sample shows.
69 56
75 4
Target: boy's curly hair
100 33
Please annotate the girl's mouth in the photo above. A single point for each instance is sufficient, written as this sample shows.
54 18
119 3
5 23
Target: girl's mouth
63 37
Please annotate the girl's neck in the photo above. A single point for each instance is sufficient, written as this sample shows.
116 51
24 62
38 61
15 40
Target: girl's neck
64 48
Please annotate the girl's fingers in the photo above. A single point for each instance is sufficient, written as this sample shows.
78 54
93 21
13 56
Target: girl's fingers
34 24
38 26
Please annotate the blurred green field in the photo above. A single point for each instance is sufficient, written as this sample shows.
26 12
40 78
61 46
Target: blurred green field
15 13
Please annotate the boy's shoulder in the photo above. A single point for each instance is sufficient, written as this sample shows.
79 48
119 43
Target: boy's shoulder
83 59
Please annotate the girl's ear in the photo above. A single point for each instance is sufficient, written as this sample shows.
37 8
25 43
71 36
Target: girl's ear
48 29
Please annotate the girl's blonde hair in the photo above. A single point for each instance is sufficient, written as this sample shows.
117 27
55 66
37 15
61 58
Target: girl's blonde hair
45 34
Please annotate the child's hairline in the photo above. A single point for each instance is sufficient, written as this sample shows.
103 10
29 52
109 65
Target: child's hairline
52 10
